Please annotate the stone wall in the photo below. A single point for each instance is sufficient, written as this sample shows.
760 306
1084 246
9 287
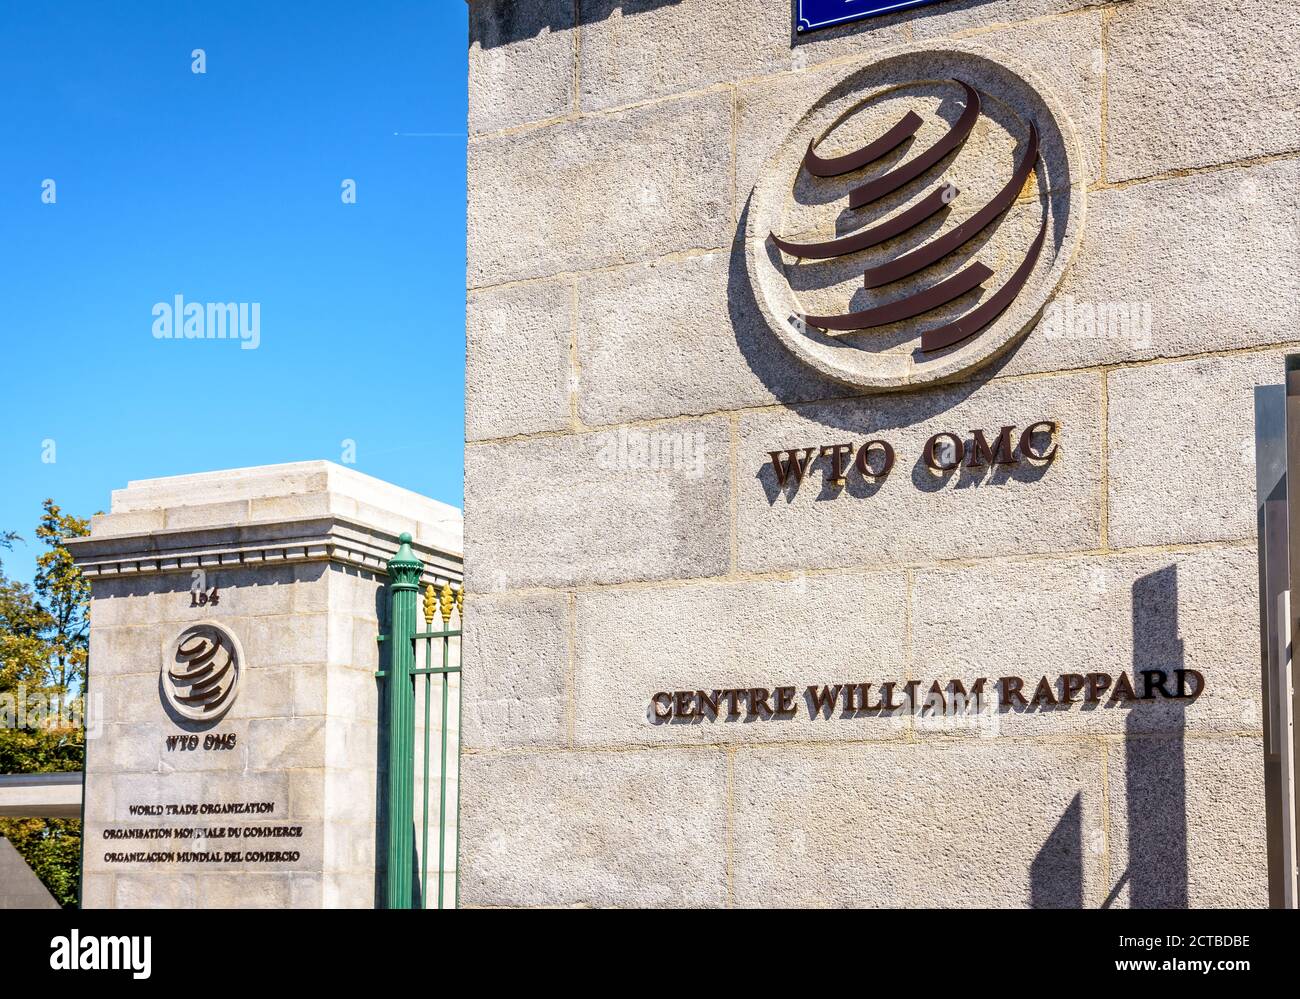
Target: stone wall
613 145
296 554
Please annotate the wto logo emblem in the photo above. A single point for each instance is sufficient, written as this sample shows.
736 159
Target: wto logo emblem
973 276
912 227
200 677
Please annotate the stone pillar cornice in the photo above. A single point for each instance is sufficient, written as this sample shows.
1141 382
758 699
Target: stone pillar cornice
329 538
303 511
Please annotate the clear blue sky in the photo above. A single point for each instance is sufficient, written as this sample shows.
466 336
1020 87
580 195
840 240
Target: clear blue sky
225 187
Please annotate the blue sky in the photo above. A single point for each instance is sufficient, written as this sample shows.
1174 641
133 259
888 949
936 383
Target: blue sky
225 187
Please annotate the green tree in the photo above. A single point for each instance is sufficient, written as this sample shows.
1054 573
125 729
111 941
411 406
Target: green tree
7 539
44 633
24 652
65 595
52 849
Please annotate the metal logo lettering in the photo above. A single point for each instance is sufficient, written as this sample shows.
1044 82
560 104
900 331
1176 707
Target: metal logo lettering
973 276
941 274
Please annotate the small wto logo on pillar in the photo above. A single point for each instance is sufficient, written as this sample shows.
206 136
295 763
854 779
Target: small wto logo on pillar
200 677
102 953
913 225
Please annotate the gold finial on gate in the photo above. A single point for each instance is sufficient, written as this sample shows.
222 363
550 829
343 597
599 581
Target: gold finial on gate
446 603
430 605
460 601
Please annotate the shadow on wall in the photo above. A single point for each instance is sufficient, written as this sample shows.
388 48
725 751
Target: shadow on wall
1155 780
1056 875
1155 769
917 16
501 22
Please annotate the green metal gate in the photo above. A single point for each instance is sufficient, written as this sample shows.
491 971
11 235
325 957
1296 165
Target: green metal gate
418 701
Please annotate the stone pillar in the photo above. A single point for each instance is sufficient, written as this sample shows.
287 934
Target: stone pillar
234 740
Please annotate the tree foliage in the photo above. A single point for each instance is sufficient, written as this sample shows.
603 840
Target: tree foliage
44 631
7 539
65 596
52 849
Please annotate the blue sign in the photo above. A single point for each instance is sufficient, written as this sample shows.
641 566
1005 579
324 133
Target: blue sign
814 14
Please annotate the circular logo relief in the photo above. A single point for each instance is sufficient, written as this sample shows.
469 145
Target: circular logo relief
914 223
201 676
